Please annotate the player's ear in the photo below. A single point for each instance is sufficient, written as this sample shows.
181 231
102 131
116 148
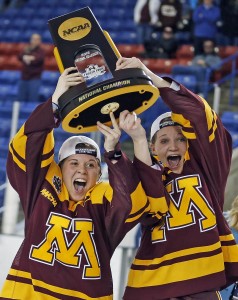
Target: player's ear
152 148
99 173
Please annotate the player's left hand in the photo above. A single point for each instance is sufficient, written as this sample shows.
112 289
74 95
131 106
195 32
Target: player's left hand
112 135
131 124
129 62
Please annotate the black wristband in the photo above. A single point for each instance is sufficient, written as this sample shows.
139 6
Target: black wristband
55 108
116 155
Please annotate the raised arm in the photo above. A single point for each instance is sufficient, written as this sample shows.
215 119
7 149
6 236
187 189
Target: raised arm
131 124
111 135
129 201
31 151
66 80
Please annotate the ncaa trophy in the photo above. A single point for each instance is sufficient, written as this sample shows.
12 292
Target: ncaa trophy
80 41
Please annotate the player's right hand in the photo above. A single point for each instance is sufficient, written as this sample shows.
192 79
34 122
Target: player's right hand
67 79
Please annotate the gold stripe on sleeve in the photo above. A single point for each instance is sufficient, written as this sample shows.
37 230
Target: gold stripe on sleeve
158 205
211 121
138 199
225 238
230 253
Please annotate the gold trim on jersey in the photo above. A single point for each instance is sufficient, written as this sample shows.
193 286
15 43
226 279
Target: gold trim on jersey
47 162
20 290
45 193
189 133
211 121
16 144
179 271
18 149
230 253
49 143
225 238
158 205
181 253
100 190
188 130
139 204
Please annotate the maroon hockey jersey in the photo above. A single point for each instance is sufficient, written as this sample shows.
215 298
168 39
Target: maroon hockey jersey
193 250
68 246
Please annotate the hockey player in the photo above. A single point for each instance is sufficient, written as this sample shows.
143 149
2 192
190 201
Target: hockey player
73 221
192 253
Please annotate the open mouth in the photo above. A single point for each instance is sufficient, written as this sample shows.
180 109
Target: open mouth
173 161
79 184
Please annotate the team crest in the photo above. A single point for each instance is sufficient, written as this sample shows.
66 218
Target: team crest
57 184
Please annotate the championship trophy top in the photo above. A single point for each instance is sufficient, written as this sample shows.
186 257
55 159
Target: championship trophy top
80 41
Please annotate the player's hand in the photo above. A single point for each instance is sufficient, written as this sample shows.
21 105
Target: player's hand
131 124
112 135
65 81
133 62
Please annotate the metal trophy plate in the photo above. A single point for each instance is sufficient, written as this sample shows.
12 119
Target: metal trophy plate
80 41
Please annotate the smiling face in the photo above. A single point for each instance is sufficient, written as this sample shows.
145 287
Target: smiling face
80 173
170 146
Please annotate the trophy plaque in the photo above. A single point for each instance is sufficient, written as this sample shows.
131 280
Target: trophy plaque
80 41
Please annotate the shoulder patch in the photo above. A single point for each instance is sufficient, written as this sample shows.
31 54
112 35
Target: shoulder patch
57 183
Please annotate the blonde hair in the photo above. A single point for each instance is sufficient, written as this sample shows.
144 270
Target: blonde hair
233 214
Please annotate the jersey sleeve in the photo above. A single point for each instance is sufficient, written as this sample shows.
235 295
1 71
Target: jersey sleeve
129 201
30 153
210 144
151 178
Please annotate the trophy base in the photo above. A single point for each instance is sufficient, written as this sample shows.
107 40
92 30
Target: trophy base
81 106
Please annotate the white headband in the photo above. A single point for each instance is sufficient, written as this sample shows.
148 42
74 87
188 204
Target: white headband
79 145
